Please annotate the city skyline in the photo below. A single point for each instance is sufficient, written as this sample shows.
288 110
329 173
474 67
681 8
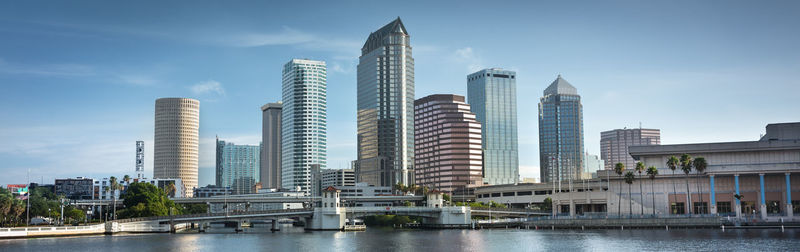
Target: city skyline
104 127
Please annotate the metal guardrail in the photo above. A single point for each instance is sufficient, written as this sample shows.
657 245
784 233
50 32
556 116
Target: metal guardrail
515 210
230 214
614 216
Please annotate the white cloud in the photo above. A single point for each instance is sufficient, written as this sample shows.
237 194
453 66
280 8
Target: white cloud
208 87
467 57
138 79
67 70
528 171
291 37
92 149
285 37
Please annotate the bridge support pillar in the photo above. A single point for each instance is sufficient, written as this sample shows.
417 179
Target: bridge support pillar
275 226
331 215
239 226
454 216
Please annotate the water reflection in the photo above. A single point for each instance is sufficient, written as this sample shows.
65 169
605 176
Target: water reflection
380 239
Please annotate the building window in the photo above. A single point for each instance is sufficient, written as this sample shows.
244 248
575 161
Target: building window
677 208
773 207
724 207
700 208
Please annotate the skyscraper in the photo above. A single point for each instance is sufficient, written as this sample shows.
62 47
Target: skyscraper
176 140
303 122
270 172
238 166
614 144
386 108
492 96
448 144
560 132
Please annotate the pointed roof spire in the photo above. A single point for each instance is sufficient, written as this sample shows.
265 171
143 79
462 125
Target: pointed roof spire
560 86
396 26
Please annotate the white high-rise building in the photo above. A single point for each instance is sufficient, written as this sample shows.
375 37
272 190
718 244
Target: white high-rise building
176 140
304 122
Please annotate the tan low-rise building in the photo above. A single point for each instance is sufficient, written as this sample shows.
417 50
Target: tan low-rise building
759 172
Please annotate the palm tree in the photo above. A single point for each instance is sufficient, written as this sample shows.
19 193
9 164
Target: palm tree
700 165
112 181
652 172
618 169
629 177
639 169
170 189
399 187
686 167
106 189
672 163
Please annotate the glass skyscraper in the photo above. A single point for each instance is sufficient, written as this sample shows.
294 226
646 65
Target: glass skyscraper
492 96
238 166
386 108
560 132
303 122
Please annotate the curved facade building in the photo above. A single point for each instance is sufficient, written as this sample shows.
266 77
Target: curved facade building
448 144
176 140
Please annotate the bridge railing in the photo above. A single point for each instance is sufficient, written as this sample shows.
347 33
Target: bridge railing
514 210
166 217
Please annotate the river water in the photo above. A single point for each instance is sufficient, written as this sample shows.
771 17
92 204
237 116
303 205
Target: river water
378 239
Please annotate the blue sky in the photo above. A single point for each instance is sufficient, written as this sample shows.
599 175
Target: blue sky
78 80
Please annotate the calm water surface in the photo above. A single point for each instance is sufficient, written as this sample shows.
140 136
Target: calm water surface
376 239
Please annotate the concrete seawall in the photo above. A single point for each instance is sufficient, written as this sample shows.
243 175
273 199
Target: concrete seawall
23 232
705 222
98 229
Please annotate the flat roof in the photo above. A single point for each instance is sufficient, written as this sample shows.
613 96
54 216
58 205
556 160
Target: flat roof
647 150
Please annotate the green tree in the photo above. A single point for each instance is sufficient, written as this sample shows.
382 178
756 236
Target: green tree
145 200
686 167
652 172
639 169
127 179
618 169
113 184
672 163
700 166
548 204
400 188
629 178
6 203
170 189
194 208
74 215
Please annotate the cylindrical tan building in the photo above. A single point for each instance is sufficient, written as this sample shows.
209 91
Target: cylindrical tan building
177 141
